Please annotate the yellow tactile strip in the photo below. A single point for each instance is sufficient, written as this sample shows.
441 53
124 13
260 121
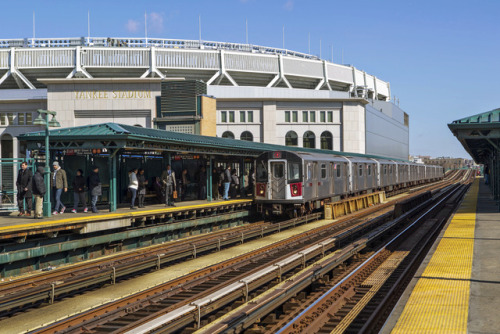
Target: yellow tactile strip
439 303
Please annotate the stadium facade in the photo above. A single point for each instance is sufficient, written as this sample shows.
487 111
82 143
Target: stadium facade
262 94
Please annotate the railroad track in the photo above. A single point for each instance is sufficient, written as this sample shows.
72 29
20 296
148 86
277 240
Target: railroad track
49 286
160 300
321 300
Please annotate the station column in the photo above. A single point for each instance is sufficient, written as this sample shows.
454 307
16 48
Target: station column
112 181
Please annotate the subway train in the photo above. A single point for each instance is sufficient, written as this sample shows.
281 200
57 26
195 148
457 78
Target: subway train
294 183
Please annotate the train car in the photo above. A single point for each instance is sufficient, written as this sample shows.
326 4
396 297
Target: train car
294 183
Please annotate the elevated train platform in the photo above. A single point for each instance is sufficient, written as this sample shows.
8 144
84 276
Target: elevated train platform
456 289
13 226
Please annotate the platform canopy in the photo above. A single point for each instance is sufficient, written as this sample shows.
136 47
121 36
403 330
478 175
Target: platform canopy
480 136
114 136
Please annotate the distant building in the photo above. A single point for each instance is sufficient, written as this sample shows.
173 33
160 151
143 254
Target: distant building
449 162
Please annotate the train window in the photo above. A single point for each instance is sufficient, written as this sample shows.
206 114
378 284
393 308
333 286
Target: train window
278 170
323 171
293 171
338 170
261 172
369 170
360 170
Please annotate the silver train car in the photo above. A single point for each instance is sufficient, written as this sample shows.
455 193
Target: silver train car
294 183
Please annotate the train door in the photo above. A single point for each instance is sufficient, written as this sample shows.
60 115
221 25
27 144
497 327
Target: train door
333 177
278 180
355 177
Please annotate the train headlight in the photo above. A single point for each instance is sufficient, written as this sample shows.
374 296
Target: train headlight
296 189
261 189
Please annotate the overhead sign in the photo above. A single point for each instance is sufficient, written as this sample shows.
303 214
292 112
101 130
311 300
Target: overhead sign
115 94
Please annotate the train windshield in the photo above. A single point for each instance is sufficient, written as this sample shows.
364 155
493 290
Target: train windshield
261 172
293 172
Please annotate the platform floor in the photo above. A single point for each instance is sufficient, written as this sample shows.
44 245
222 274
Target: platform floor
13 222
457 288
32 319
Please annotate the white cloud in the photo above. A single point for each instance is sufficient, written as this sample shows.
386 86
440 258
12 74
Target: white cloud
155 22
288 5
132 25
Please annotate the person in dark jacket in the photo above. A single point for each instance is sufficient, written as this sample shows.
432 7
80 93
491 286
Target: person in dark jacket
202 183
235 184
95 188
24 179
215 184
79 191
142 187
38 190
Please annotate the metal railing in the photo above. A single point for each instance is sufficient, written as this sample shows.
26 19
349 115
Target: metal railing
147 42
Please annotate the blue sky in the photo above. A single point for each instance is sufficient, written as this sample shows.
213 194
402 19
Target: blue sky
441 57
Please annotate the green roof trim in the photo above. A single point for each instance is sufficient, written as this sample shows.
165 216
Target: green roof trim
492 116
111 131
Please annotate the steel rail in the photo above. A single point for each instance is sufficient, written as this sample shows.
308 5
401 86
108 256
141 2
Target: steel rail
252 311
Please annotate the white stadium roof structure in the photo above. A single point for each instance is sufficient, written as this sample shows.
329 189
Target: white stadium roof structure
24 61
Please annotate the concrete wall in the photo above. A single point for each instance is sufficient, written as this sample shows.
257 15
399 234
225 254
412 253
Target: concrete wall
208 124
80 102
386 136
353 127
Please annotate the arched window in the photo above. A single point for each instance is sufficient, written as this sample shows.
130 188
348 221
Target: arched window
309 140
291 139
326 141
228 134
246 135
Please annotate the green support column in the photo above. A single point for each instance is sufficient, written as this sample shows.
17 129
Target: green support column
112 182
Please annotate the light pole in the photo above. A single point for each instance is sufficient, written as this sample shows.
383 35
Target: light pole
54 123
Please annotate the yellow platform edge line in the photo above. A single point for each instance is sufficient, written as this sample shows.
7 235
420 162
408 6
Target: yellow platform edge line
439 302
92 219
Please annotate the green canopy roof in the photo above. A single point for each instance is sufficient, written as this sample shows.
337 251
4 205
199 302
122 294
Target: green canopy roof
121 136
492 116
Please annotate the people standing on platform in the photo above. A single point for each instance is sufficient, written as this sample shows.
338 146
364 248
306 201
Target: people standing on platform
235 184
38 190
141 179
59 182
202 183
227 182
23 183
95 187
79 191
215 184
158 188
169 184
251 182
184 183
221 181
133 184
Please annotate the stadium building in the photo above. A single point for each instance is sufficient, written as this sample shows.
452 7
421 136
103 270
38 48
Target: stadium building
249 92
